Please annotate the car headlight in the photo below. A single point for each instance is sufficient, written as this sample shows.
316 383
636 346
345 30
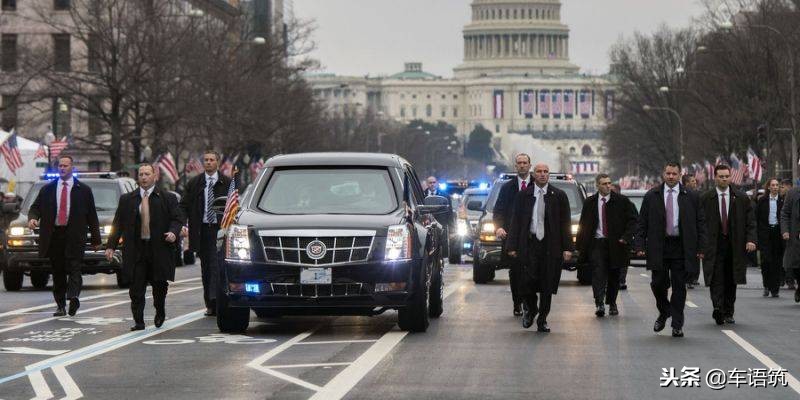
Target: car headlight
574 229
398 243
107 229
488 228
237 243
17 231
461 228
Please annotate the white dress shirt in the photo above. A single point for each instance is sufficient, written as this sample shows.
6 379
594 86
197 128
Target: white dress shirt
214 178
727 193
538 193
520 180
59 188
599 233
675 208
773 210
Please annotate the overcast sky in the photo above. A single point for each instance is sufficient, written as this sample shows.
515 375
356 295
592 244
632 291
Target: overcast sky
359 37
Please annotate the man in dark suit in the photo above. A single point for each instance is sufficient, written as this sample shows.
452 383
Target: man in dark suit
64 208
690 183
671 232
787 277
608 222
731 228
501 216
148 221
540 235
196 206
770 242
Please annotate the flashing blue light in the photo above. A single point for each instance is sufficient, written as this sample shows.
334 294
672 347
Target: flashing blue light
442 186
467 245
56 175
483 185
252 288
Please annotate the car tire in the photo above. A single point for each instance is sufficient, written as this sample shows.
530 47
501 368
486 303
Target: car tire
480 275
122 280
415 317
230 319
12 280
39 279
454 256
188 257
584 275
436 292
266 313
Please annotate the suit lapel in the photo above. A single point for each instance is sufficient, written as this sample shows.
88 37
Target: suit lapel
73 198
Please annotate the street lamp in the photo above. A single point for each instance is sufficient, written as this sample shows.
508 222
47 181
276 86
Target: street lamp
648 108
728 26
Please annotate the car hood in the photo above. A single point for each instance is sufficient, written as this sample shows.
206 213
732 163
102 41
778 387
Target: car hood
378 223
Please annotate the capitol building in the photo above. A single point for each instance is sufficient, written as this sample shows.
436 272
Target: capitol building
516 80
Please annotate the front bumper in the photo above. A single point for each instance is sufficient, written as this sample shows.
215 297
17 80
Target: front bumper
27 259
352 286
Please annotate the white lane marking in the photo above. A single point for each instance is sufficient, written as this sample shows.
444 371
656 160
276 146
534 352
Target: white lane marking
690 304
790 379
645 275
40 387
341 341
306 365
71 389
39 321
257 363
289 378
30 350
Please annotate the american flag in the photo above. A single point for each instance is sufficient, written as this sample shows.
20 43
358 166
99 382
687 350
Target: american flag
57 146
585 167
167 165
585 104
227 166
737 170
709 170
557 103
569 103
255 168
231 205
193 166
754 163
699 174
41 152
498 104
11 153
544 103
526 105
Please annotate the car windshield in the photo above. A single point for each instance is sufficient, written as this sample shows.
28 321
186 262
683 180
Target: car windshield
637 201
573 195
106 194
329 191
476 197
489 205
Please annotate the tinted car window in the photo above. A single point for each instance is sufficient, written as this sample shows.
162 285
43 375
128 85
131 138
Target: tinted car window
106 194
573 195
476 197
637 201
493 195
329 191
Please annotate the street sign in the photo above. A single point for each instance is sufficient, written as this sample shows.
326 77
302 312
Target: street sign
41 164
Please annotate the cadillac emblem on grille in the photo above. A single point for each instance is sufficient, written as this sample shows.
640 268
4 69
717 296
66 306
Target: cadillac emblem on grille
316 250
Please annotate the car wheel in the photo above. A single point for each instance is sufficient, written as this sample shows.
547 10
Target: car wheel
584 275
12 280
480 274
122 280
188 257
39 279
436 294
415 316
230 319
266 313
454 256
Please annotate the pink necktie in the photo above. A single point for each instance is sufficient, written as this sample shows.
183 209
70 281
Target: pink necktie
62 208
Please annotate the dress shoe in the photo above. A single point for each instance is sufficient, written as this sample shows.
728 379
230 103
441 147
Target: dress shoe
623 286
612 309
542 327
60 312
776 294
601 311
730 320
718 318
138 327
696 283
74 304
159 319
677 332
766 293
661 322
797 296
527 316
517 310
210 312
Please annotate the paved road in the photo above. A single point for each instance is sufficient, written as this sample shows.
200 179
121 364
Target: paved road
477 350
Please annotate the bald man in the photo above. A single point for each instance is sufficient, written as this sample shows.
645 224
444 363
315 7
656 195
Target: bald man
540 237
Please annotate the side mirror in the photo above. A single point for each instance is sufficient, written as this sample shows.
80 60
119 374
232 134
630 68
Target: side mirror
437 210
475 205
218 205
436 201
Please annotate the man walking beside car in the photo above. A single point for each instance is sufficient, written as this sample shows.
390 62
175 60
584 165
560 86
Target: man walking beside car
770 242
501 215
148 221
608 222
196 206
540 236
64 212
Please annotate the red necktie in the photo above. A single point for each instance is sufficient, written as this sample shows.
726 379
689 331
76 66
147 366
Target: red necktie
62 208
524 185
604 218
724 216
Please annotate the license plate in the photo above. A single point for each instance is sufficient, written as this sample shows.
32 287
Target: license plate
312 276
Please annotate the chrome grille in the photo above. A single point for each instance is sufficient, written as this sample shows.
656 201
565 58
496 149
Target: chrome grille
318 290
342 247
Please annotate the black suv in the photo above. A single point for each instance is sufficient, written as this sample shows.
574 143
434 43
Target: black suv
333 234
486 252
21 255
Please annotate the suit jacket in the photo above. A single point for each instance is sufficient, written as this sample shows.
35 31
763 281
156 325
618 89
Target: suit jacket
651 228
82 218
762 224
504 206
193 204
621 218
741 229
164 217
790 223
558 233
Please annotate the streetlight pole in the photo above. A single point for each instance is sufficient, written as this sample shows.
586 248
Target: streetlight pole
649 108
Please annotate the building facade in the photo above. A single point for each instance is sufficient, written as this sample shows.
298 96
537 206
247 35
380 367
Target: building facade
516 80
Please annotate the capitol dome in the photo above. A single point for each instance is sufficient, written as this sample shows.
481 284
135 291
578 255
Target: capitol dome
515 37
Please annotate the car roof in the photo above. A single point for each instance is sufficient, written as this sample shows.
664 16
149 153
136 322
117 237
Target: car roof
335 159
477 191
